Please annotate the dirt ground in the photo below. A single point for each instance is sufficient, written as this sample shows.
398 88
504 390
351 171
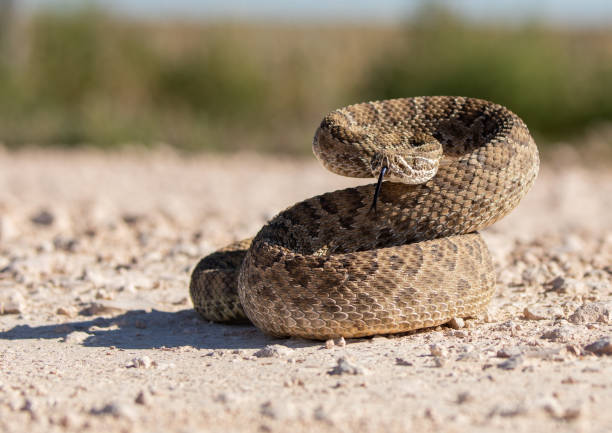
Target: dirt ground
97 332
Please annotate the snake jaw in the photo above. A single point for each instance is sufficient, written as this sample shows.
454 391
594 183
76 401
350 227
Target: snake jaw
410 167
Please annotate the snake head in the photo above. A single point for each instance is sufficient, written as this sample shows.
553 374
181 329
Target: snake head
408 158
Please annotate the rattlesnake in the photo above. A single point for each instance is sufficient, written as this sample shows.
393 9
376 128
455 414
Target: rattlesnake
336 265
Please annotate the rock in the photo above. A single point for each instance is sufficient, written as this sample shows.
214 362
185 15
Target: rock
568 285
320 414
603 346
561 334
549 354
65 244
347 366
225 398
131 219
592 312
534 313
554 409
13 303
103 294
266 409
274 351
66 311
511 363
115 409
573 412
437 350
143 398
341 342
470 355
402 361
509 352
141 362
278 410
510 410
76 337
456 323
43 218
68 420
440 362
329 344
464 397
30 406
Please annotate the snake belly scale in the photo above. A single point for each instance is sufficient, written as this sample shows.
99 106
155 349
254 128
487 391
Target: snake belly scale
329 266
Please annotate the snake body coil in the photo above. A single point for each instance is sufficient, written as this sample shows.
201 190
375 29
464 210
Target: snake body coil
329 266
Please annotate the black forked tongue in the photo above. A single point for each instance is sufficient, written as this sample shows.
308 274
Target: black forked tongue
377 190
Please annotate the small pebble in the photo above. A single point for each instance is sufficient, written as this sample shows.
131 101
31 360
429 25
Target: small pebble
552 407
437 350
456 323
440 362
76 337
278 410
346 365
12 303
329 344
509 352
511 363
569 286
141 362
534 313
321 414
225 398
600 347
561 334
464 397
117 410
402 361
43 218
470 355
593 312
460 334
274 351
143 398
103 294
68 420
66 311
341 342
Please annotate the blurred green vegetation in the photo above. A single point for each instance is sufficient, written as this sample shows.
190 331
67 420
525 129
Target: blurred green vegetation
559 82
73 77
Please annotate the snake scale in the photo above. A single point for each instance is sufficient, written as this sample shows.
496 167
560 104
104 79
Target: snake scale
341 264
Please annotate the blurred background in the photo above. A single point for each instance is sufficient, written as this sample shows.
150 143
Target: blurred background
226 75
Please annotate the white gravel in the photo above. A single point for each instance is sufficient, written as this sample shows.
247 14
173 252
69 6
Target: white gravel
95 256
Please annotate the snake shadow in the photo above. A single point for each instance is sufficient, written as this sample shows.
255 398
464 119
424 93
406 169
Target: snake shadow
138 329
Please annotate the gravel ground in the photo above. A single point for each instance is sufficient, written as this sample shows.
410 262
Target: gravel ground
97 332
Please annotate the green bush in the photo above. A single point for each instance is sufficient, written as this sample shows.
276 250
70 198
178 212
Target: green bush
220 83
559 83
83 76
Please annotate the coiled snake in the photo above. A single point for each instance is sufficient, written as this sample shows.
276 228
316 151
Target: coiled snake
341 264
